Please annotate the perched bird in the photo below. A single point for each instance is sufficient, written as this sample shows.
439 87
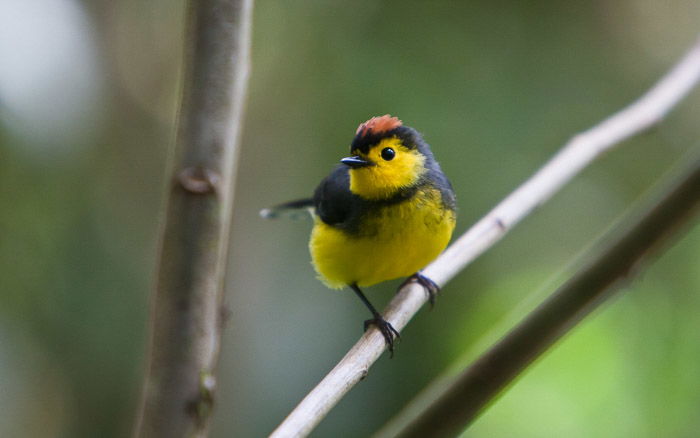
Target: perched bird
385 212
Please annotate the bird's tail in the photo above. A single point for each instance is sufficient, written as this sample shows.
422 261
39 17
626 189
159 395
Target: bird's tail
291 209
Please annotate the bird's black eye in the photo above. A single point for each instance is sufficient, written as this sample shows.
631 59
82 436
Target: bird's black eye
388 154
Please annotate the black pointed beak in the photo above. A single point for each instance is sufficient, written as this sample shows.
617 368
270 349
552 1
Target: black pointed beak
356 162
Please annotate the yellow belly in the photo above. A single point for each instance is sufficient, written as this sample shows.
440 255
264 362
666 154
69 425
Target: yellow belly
395 242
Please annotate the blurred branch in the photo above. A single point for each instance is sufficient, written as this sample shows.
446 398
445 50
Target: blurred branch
580 151
451 410
187 300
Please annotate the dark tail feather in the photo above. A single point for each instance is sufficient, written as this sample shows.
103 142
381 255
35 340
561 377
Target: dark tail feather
288 208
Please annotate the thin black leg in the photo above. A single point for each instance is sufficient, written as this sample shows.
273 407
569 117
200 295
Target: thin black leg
387 330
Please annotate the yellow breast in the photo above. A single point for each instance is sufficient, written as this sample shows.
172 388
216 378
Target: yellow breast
394 241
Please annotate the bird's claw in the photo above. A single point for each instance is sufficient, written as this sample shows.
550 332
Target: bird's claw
387 330
430 286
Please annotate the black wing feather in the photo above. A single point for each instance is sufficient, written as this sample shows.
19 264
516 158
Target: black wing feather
335 204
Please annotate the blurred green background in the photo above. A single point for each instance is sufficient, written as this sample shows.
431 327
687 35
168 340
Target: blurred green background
88 94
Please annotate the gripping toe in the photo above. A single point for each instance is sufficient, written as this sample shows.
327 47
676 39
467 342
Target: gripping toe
430 286
388 331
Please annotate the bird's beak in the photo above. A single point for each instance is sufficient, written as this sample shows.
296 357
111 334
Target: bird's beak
356 162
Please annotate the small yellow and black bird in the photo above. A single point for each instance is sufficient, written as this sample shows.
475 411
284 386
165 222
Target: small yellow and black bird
385 212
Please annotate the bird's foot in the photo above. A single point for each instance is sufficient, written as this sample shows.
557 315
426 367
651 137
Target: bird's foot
430 286
388 331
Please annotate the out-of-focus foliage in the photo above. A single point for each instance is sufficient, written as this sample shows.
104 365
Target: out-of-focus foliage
88 94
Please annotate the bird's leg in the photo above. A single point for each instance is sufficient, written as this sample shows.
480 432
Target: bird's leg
430 286
387 330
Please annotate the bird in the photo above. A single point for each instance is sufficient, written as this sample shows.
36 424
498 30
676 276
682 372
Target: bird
384 212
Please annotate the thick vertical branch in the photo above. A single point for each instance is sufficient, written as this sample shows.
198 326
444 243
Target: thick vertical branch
187 301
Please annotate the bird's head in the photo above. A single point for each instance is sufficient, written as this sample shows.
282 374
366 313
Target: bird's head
386 156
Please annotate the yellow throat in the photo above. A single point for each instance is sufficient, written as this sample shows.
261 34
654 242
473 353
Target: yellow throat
385 178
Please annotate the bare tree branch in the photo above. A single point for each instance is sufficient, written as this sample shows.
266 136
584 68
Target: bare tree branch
572 158
459 403
187 301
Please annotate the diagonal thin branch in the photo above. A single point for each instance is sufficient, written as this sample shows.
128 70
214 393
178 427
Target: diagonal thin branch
187 300
580 151
458 404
